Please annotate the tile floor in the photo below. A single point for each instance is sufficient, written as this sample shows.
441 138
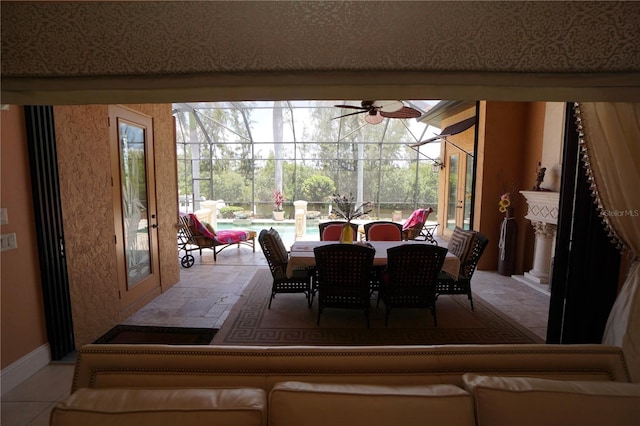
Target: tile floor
203 297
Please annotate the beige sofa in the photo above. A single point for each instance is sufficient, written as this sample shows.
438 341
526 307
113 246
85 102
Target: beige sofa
357 385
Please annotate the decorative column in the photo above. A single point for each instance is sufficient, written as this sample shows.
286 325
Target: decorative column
300 207
542 211
545 235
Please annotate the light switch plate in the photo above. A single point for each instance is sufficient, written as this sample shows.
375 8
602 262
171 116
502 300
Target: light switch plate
8 242
4 219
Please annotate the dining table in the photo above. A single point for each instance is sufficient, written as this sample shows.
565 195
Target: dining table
302 255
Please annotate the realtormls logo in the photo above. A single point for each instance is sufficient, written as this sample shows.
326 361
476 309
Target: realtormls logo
617 213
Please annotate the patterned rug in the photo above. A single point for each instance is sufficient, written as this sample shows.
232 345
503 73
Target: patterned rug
142 334
291 322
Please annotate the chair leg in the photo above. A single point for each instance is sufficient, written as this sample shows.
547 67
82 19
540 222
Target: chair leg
435 318
271 299
470 300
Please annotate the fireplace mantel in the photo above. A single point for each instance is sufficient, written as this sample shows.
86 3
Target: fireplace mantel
542 206
542 211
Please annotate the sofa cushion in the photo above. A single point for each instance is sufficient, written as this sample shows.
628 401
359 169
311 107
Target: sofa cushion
309 404
533 401
121 407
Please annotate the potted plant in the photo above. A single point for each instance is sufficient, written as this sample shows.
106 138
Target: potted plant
278 199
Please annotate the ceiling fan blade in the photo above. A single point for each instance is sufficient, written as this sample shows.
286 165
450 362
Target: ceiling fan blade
352 113
405 112
351 107
388 106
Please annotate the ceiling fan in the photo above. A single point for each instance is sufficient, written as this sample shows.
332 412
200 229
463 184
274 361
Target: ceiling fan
378 110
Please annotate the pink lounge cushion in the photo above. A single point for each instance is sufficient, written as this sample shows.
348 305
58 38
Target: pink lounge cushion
200 228
199 407
416 218
528 401
231 236
311 404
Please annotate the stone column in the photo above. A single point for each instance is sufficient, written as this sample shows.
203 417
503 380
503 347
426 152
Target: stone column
301 218
545 234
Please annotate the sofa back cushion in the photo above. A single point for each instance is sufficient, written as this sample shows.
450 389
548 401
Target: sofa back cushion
198 407
533 401
311 404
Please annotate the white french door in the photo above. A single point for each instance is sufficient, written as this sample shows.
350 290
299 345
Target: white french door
458 190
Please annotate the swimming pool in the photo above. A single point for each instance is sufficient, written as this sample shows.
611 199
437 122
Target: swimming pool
286 229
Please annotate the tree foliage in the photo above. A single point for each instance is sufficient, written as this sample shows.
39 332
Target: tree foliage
325 161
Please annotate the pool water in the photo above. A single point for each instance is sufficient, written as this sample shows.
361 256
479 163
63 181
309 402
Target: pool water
287 230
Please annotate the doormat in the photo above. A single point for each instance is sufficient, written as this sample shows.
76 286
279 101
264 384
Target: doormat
142 334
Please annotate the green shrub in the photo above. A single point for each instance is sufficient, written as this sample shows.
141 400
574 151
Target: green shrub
228 212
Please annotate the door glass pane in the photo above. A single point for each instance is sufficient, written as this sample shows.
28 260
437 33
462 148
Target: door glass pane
468 193
452 196
133 177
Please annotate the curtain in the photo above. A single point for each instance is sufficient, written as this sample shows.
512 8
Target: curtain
610 141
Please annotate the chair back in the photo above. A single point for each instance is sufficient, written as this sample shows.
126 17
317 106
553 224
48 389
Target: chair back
343 273
414 224
193 231
468 267
274 251
413 269
383 231
331 231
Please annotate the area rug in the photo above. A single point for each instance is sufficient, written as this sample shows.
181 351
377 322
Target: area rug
141 334
291 322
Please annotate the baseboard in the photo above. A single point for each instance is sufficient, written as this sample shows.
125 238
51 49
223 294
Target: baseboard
19 371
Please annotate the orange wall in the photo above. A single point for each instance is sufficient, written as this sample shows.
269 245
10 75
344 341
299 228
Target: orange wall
534 134
502 142
22 324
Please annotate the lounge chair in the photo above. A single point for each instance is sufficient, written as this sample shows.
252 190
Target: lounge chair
195 233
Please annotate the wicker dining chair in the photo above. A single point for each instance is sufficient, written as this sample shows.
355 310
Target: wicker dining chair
410 278
343 277
462 285
277 257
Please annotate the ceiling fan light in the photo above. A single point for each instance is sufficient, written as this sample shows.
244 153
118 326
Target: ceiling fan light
373 118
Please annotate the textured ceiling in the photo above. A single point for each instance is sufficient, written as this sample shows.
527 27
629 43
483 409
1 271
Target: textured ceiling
531 43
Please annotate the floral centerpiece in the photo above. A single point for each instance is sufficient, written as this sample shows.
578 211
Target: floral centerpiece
346 208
